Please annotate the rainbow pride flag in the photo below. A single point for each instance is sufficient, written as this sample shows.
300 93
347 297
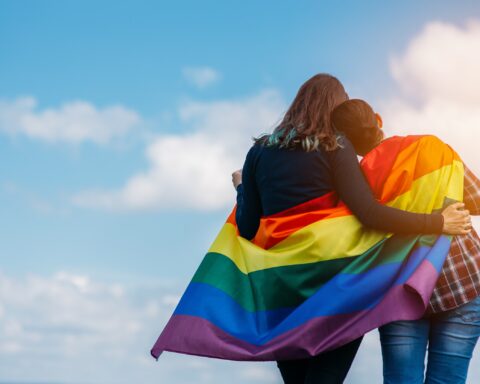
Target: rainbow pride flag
314 278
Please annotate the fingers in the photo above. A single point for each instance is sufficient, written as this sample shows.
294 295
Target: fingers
466 229
454 208
458 206
459 232
463 213
458 218
461 222
465 219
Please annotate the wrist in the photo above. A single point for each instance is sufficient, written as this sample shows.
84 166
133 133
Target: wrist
441 223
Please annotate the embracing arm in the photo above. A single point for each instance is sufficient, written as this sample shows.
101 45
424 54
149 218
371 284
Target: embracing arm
355 192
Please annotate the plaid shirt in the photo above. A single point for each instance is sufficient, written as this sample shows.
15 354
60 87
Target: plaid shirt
459 280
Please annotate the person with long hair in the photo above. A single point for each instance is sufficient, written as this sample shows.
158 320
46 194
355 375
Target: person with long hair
451 325
305 157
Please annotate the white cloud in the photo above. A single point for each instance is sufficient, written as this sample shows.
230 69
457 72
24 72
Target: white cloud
192 170
48 324
260 372
72 122
438 74
201 77
367 366
442 62
68 326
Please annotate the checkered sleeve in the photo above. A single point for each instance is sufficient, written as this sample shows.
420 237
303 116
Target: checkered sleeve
459 280
471 193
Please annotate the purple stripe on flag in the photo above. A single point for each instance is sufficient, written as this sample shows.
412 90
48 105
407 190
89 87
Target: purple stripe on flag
197 336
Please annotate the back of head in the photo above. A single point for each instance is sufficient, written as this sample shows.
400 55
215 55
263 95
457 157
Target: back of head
358 122
307 122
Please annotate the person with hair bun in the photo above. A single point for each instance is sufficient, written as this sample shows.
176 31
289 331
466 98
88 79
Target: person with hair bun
360 124
305 157
451 326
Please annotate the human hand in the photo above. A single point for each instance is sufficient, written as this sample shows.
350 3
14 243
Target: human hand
456 220
237 178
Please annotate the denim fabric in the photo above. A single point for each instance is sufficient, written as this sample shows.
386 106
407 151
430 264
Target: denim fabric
450 336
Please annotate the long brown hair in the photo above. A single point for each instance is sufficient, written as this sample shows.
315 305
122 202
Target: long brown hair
307 121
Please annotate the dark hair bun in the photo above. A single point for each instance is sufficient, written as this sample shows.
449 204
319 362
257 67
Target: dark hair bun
357 121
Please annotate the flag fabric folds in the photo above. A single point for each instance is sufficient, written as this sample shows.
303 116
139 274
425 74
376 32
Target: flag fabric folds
314 278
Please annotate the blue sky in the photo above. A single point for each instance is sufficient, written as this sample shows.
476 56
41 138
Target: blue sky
149 73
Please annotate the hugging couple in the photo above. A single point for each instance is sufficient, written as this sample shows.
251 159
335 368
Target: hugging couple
321 249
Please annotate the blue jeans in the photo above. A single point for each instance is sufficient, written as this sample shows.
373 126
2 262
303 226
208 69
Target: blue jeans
451 337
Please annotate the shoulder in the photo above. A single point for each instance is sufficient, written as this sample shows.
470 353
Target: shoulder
255 150
345 149
253 154
344 143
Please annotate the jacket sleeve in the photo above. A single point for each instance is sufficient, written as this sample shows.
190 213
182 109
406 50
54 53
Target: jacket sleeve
249 207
